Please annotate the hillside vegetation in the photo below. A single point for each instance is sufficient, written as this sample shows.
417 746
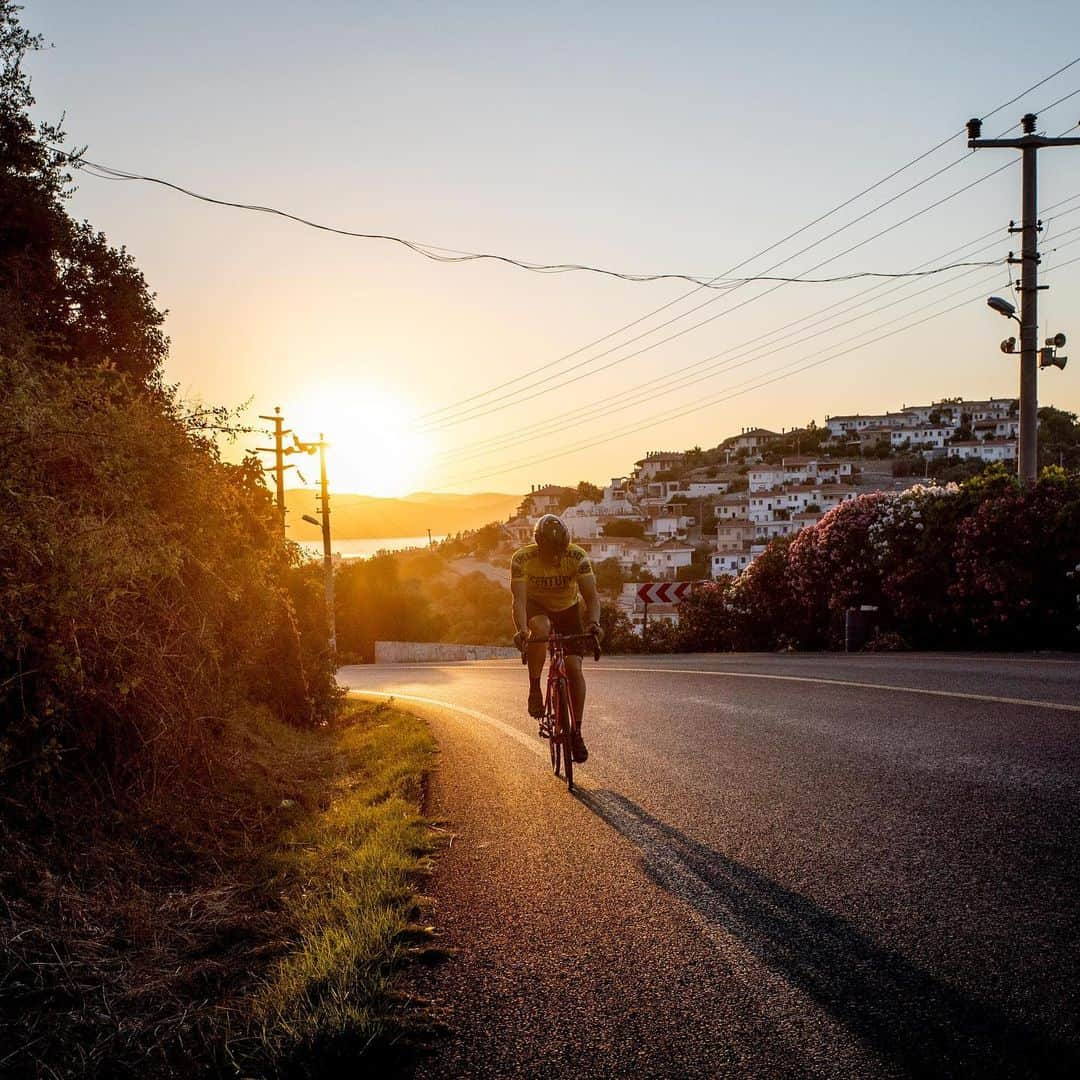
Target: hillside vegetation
177 772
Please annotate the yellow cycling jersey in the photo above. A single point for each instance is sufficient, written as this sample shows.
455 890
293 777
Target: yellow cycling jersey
553 585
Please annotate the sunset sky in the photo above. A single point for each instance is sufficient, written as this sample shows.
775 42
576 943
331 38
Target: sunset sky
677 138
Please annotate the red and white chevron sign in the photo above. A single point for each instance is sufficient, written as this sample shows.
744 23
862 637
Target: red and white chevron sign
664 592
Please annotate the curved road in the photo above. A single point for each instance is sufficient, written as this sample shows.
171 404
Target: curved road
777 866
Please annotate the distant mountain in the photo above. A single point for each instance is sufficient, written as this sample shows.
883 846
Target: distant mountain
369 517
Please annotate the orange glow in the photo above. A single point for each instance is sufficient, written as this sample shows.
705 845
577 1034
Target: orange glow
374 449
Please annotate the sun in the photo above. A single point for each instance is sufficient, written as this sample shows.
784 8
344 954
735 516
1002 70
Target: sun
374 447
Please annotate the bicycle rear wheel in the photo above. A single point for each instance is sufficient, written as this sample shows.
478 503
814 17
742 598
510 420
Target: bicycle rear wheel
556 749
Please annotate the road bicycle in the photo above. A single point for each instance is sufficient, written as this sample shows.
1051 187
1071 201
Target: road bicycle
560 720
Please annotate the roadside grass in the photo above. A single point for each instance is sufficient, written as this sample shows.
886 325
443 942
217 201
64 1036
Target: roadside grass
346 877
250 920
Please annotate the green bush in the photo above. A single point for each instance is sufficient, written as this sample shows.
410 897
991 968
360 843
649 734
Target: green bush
143 583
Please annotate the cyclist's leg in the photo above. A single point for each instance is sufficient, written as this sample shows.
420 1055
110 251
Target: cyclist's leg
577 684
536 651
539 628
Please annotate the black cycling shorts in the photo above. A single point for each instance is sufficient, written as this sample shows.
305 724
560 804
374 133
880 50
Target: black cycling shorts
567 621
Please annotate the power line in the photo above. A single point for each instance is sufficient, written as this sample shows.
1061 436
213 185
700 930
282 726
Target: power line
452 255
503 402
655 386
443 255
768 350
654 422
499 403
840 206
106 172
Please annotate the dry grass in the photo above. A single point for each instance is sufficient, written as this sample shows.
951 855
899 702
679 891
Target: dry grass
248 924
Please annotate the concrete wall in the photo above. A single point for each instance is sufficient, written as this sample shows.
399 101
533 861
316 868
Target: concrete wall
418 652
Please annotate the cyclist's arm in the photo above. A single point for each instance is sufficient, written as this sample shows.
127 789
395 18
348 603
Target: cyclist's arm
587 584
521 619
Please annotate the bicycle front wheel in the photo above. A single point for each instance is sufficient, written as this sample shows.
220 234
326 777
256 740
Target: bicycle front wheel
564 728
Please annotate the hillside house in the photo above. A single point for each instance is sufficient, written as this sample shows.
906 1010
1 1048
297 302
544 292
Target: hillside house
996 428
731 506
704 489
664 560
989 450
850 426
656 462
730 563
923 438
669 524
519 530
546 499
734 535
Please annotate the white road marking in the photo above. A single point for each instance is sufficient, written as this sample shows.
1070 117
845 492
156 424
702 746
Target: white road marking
830 1049
1027 702
531 743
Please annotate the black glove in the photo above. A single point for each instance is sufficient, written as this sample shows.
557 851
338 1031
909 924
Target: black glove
595 629
521 638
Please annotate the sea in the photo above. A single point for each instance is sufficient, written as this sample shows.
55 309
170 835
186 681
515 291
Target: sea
364 547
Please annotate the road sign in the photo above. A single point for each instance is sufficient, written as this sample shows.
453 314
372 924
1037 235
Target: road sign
664 592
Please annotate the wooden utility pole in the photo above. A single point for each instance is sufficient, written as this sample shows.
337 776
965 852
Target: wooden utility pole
279 467
324 519
1028 144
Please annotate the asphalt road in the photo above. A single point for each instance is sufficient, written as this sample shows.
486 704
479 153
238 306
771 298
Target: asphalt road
776 867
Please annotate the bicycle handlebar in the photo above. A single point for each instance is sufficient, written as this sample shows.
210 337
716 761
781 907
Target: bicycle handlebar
569 637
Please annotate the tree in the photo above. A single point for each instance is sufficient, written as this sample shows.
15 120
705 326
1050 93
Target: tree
609 576
63 290
585 490
619 636
626 527
1059 438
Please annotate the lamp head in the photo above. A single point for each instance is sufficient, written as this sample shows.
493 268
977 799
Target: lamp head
312 520
1001 306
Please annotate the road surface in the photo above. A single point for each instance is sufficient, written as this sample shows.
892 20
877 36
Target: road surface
776 867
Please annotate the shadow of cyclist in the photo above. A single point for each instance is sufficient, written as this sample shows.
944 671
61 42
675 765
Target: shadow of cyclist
912 1019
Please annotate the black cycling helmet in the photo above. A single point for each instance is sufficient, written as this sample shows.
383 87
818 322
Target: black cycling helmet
551 535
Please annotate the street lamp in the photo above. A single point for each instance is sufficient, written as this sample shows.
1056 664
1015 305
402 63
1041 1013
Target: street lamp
1002 307
1048 356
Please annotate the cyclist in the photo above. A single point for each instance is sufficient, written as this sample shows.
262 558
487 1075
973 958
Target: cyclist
548 580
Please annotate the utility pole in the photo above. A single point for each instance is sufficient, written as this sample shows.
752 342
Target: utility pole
279 467
1028 144
324 516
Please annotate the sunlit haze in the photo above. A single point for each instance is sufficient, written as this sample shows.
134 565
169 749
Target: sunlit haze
372 447
680 138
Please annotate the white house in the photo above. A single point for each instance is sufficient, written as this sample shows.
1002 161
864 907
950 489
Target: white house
992 409
734 534
730 563
669 524
658 461
750 439
990 450
520 531
924 437
731 506
544 500
770 530
664 560
841 427
765 477
996 428
705 489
